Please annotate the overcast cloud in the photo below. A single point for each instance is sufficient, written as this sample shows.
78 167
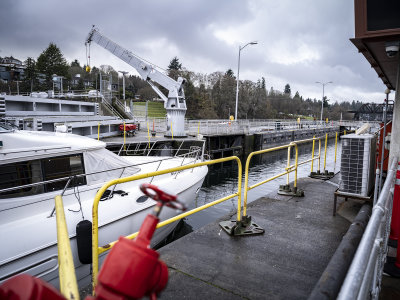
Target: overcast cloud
299 42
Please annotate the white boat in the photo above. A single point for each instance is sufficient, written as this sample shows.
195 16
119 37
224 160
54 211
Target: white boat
36 166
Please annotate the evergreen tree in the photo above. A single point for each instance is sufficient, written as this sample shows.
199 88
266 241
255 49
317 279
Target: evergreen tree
51 61
75 63
174 68
30 73
229 73
287 90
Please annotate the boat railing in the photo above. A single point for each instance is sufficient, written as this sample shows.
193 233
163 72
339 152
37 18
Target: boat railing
363 280
148 148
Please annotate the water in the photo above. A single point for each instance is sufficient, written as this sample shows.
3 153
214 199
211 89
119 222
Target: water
221 181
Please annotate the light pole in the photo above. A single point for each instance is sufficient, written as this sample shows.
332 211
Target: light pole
237 83
323 92
123 82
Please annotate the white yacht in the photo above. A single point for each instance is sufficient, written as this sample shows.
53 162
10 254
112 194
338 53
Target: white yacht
37 166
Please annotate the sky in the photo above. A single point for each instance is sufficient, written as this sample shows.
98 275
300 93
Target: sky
299 42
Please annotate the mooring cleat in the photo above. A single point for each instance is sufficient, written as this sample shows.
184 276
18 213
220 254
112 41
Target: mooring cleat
326 175
240 228
286 190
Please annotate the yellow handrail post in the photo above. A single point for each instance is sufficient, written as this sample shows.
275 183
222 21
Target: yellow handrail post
312 154
344 132
172 131
326 145
288 165
98 131
68 283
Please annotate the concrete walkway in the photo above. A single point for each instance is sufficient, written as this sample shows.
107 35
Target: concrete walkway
285 262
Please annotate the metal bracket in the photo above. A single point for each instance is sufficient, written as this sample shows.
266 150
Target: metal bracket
324 176
243 227
286 190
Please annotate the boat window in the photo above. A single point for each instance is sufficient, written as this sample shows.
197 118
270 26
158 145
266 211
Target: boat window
21 173
63 166
35 171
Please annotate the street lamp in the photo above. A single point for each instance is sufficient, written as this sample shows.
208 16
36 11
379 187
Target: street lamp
123 82
323 92
237 83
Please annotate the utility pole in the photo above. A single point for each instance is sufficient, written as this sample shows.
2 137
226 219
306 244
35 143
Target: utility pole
123 82
323 95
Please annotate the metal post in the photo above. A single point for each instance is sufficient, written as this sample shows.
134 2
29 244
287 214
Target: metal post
237 86
323 96
237 81
312 155
288 165
326 145
322 106
334 167
124 137
383 139
319 155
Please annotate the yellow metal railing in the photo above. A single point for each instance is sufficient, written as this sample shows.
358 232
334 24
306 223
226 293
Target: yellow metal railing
96 250
290 168
68 284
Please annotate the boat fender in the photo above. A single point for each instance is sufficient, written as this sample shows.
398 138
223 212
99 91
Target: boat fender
84 241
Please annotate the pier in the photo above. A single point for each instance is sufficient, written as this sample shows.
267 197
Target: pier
285 262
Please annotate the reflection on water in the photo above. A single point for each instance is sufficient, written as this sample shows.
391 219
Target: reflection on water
221 180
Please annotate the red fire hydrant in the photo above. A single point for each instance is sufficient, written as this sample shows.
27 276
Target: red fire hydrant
131 271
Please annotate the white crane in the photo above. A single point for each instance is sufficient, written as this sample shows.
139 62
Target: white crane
174 104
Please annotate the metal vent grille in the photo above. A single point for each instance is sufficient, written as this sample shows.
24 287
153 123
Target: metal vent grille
357 164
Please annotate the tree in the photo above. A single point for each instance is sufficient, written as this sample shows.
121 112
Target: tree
229 73
30 72
174 64
174 68
287 90
75 63
51 61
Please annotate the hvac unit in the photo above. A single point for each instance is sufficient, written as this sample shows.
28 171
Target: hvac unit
357 168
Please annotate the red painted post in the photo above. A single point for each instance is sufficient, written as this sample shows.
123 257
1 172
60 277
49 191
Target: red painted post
395 224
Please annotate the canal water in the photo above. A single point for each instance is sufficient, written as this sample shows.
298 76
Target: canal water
222 180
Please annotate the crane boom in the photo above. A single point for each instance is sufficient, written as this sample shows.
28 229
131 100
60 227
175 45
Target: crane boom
175 103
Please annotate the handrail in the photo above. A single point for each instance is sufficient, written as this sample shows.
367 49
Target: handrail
290 168
372 248
68 283
96 250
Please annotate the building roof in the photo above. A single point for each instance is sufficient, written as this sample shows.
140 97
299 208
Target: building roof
376 23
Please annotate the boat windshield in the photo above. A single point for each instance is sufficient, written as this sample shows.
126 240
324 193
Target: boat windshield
4 127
